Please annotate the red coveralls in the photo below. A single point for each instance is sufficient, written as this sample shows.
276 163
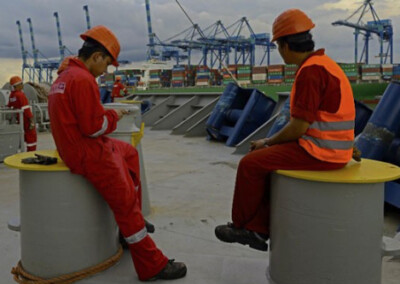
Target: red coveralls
79 126
18 100
316 90
116 92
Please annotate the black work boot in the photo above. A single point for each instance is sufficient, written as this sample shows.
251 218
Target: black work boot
149 227
229 234
173 270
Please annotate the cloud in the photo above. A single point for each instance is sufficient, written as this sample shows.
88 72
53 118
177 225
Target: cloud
127 18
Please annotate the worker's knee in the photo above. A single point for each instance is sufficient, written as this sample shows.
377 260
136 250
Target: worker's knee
247 162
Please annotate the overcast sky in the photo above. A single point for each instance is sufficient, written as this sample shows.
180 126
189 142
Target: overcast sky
127 19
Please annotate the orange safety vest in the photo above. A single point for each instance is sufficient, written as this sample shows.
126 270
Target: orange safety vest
331 136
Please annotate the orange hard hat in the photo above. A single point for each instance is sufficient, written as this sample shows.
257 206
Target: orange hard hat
64 64
106 38
290 22
15 80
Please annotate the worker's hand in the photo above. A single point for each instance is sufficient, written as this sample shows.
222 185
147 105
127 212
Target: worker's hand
258 144
121 112
356 154
32 125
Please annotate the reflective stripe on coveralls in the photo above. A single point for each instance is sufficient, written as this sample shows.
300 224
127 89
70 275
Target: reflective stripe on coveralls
26 107
103 128
135 238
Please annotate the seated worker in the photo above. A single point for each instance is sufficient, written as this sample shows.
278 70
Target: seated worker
79 125
18 100
117 88
319 135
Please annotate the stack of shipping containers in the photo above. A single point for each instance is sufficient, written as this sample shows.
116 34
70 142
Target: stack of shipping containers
227 77
165 78
259 75
275 74
190 76
178 76
351 70
290 73
370 72
216 77
387 70
154 80
203 76
244 74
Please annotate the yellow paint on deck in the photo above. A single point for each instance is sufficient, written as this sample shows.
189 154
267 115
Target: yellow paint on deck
14 161
366 171
130 102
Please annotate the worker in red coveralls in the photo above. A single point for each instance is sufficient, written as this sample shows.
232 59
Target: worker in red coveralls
18 100
117 88
319 135
64 64
79 126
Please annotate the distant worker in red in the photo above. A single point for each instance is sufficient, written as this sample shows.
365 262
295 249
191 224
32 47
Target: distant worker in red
117 88
319 135
18 100
80 126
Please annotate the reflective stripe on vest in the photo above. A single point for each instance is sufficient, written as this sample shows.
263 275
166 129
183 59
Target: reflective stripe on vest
135 238
26 107
331 136
332 126
329 144
103 128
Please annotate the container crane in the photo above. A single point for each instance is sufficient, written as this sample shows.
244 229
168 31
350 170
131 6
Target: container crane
151 53
382 28
61 47
40 66
86 9
24 53
35 52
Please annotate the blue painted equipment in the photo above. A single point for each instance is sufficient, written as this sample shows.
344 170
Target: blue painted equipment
282 119
238 113
376 138
377 141
363 113
145 106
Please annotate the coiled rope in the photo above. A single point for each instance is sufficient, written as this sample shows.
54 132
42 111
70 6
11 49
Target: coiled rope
23 277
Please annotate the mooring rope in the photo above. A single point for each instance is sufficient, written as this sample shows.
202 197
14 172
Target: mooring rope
23 277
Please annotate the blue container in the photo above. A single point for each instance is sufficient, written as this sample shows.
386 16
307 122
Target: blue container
217 117
257 111
377 136
238 113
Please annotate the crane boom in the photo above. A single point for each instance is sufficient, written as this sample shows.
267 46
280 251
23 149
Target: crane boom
86 8
151 53
60 44
34 50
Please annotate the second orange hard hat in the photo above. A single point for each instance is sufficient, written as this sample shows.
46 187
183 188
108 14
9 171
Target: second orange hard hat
106 38
290 22
15 80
